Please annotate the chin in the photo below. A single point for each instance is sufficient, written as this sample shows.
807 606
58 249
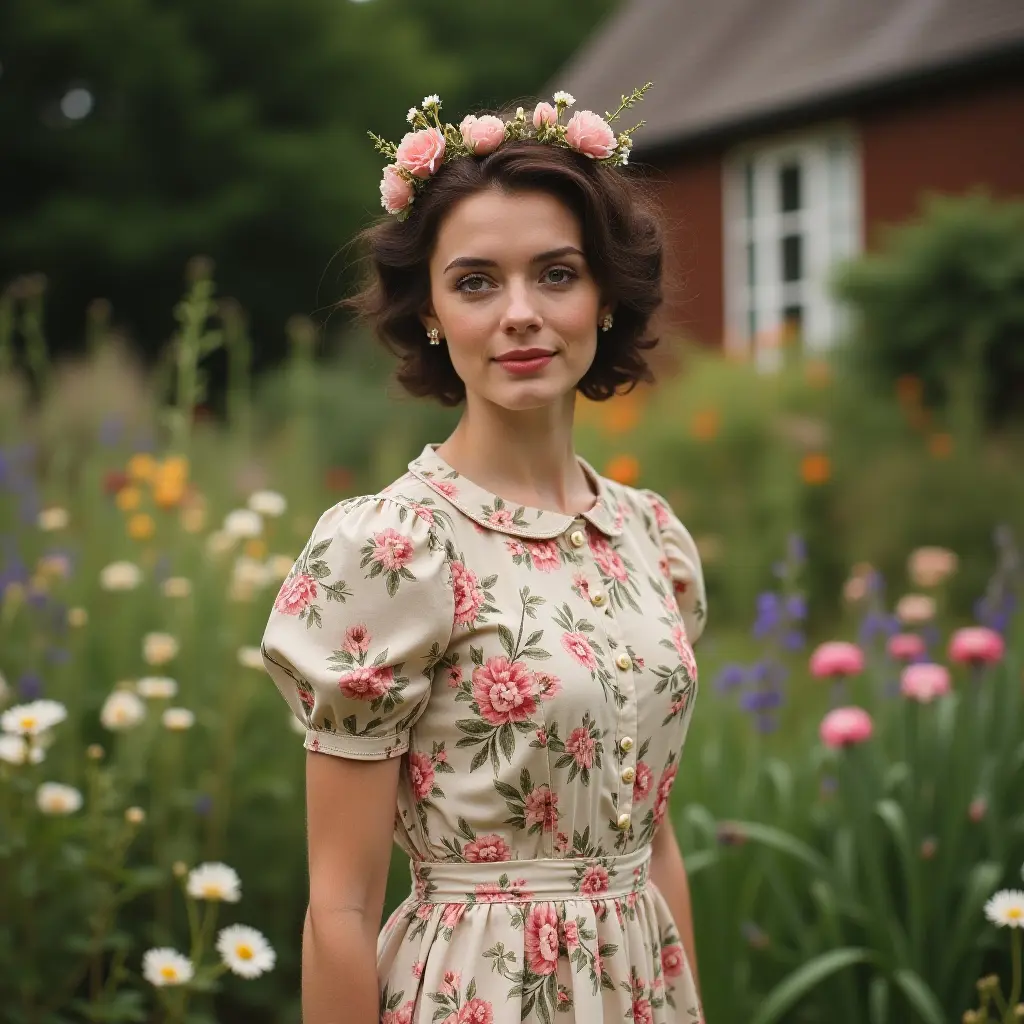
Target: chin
529 395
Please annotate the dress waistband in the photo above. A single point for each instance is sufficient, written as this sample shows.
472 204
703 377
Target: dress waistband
525 881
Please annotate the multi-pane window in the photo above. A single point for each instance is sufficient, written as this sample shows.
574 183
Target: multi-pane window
792 210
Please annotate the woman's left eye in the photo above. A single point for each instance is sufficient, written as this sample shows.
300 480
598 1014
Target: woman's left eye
563 275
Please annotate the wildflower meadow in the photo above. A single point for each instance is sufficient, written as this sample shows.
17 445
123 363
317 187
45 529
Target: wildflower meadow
849 801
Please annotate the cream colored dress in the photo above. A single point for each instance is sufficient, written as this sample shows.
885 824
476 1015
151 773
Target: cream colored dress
535 673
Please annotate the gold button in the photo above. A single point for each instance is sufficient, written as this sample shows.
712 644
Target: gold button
577 538
628 774
598 598
623 822
626 744
623 661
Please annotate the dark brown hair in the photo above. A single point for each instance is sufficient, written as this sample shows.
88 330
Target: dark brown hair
622 242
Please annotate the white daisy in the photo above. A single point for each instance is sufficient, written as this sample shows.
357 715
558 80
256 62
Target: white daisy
134 815
176 586
120 576
433 100
214 881
219 542
55 798
411 116
33 718
158 648
178 719
245 951
565 98
250 572
277 567
51 519
1006 907
17 750
268 503
156 687
122 710
250 657
243 524
165 966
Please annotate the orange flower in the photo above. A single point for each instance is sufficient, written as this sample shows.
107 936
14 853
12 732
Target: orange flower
704 425
256 548
142 466
940 446
621 414
128 499
141 527
623 469
909 389
815 469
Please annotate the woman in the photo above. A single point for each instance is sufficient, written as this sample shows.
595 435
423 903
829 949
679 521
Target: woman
492 655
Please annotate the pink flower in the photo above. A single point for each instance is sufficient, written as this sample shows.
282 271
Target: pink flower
403 1015
515 548
421 153
476 1011
367 682
421 774
541 938
905 646
661 516
501 517
445 487
609 561
642 1012
582 584
664 792
451 982
396 191
978 645
357 640
486 849
306 695
483 134
296 594
469 598
417 968
503 691
542 808
547 685
392 550
576 645
664 568
455 676
836 658
915 609
544 113
682 645
844 727
581 745
542 737
491 892
924 682
545 555
590 134
672 960
930 566
452 914
425 512
561 843
978 809
594 880
441 757
642 782
572 935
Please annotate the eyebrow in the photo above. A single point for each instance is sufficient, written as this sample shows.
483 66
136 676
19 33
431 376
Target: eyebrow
541 257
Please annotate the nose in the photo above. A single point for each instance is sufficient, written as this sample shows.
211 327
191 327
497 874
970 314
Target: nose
520 314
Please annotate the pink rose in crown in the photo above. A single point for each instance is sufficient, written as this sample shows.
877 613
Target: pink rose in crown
396 191
483 134
541 939
367 682
421 775
503 691
469 598
421 153
486 850
296 594
590 134
544 113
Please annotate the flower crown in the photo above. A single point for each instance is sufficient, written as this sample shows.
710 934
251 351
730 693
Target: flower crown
432 143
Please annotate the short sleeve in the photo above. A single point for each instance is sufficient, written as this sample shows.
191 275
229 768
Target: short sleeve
682 564
358 627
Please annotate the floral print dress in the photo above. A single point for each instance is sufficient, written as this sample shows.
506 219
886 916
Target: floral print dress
534 671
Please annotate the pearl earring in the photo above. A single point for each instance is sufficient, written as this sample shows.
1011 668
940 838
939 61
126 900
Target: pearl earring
434 335
606 322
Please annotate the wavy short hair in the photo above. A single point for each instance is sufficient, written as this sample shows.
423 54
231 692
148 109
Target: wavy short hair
622 241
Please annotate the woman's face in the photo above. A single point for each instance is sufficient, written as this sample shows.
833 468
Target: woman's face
508 278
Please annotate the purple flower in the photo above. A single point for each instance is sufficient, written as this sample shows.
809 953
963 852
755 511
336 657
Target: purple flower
731 677
756 701
796 607
30 686
203 804
797 548
794 640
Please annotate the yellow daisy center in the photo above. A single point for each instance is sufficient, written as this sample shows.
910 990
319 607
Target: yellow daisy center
28 722
168 972
243 952
212 891
1015 913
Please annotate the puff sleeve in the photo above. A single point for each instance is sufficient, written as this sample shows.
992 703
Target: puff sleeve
682 565
359 625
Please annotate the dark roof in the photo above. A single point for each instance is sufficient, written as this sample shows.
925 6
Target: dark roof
722 63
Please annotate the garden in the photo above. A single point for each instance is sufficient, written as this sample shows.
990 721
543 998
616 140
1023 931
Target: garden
849 800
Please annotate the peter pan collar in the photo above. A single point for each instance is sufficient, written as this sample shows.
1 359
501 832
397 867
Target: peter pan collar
497 514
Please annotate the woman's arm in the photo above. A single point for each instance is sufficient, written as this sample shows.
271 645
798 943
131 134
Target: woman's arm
668 872
350 823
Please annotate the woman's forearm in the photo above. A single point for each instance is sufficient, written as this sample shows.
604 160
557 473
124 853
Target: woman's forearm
339 969
668 872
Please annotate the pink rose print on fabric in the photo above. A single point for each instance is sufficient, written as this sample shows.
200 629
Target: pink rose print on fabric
581 745
450 984
476 1011
542 808
417 968
581 585
642 1012
421 774
307 696
576 645
664 791
672 960
296 594
367 682
491 892
445 487
664 568
572 935
541 939
486 849
561 843
501 517
469 598
503 691
642 782
594 881
545 555
661 516
515 548
423 511
357 640
452 914
392 550
609 561
547 685
542 737
455 676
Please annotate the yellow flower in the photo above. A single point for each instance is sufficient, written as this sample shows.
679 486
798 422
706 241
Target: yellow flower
193 517
704 425
77 617
256 548
623 469
141 526
142 466
815 469
128 499
175 467
170 480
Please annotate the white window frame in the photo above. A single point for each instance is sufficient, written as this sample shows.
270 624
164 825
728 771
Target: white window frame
830 223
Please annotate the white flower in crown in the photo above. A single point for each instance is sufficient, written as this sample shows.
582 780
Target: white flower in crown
412 115
431 101
564 99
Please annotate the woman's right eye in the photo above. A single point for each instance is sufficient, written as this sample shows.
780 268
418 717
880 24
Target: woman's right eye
472 283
